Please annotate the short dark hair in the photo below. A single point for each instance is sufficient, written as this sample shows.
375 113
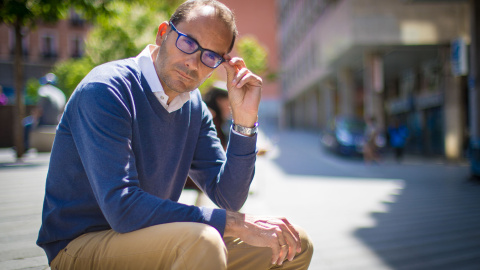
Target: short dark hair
221 11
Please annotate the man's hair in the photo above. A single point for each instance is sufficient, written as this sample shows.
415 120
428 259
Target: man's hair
221 11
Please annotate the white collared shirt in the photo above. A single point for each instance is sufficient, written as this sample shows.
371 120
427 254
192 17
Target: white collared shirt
145 62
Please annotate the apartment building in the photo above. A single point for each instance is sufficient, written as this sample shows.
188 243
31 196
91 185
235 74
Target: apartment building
43 46
389 59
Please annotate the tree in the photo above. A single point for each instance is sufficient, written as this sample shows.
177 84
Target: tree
70 72
28 13
123 34
254 54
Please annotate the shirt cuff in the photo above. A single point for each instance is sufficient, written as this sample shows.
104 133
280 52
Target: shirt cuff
240 144
216 218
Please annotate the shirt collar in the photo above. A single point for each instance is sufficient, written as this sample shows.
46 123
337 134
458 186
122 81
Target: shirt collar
145 62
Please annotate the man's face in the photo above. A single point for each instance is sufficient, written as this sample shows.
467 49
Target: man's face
180 72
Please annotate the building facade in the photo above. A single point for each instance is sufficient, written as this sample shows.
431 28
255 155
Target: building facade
43 46
387 59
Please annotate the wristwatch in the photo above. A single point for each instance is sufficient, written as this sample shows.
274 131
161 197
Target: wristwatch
245 130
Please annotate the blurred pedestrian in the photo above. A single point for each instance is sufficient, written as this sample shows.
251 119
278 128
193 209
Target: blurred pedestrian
370 149
217 102
398 134
3 97
49 108
51 102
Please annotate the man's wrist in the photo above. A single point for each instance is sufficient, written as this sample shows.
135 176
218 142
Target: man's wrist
244 119
233 223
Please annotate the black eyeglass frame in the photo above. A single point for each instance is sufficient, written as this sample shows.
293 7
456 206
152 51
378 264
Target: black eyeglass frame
202 50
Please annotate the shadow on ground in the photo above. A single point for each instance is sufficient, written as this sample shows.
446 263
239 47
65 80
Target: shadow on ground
16 165
432 223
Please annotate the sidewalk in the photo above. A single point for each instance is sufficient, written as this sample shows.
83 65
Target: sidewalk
21 199
420 214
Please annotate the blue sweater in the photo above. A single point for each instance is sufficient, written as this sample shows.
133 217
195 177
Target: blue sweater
120 161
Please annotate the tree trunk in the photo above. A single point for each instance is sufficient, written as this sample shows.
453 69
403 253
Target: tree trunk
19 100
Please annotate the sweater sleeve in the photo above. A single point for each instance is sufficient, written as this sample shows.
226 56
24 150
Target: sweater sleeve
226 178
101 126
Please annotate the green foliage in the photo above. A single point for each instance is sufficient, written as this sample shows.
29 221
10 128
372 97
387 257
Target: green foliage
32 90
121 33
69 73
166 7
126 33
254 54
30 12
118 36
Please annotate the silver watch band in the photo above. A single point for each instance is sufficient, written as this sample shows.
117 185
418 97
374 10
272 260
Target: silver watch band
245 130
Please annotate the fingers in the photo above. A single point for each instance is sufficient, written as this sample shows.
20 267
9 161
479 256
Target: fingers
274 236
276 250
276 233
245 76
230 69
290 239
287 242
295 233
238 78
232 66
278 244
238 74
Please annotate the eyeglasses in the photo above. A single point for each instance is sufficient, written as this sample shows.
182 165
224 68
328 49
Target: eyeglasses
189 45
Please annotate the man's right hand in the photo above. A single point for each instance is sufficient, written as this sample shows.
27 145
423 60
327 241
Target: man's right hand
275 233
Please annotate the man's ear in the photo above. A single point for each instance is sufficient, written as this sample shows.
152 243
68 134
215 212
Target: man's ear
162 31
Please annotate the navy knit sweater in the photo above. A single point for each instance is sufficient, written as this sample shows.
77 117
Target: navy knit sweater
120 161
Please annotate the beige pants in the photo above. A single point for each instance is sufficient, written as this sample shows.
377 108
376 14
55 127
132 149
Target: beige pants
171 246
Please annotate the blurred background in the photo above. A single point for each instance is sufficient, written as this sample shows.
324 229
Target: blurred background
406 62
348 85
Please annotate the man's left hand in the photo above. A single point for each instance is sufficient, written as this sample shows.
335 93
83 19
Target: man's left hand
244 91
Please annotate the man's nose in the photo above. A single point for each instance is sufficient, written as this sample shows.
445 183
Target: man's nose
193 60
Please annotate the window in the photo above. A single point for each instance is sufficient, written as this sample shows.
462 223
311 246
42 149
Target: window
48 45
76 18
25 41
76 50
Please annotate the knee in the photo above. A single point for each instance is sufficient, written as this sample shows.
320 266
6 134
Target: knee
203 234
204 240
307 247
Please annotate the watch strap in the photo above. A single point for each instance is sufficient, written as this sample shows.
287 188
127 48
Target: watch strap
245 130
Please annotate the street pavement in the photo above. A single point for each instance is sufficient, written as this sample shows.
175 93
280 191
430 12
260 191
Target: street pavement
416 214
21 199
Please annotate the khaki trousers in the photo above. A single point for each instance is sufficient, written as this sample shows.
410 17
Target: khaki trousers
182 245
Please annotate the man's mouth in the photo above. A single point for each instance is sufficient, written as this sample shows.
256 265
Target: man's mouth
184 75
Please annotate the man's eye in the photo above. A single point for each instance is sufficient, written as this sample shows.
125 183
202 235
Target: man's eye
211 56
190 42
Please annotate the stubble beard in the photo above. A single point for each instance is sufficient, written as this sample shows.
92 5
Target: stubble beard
169 82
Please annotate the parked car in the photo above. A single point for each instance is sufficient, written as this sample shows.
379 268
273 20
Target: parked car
344 135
